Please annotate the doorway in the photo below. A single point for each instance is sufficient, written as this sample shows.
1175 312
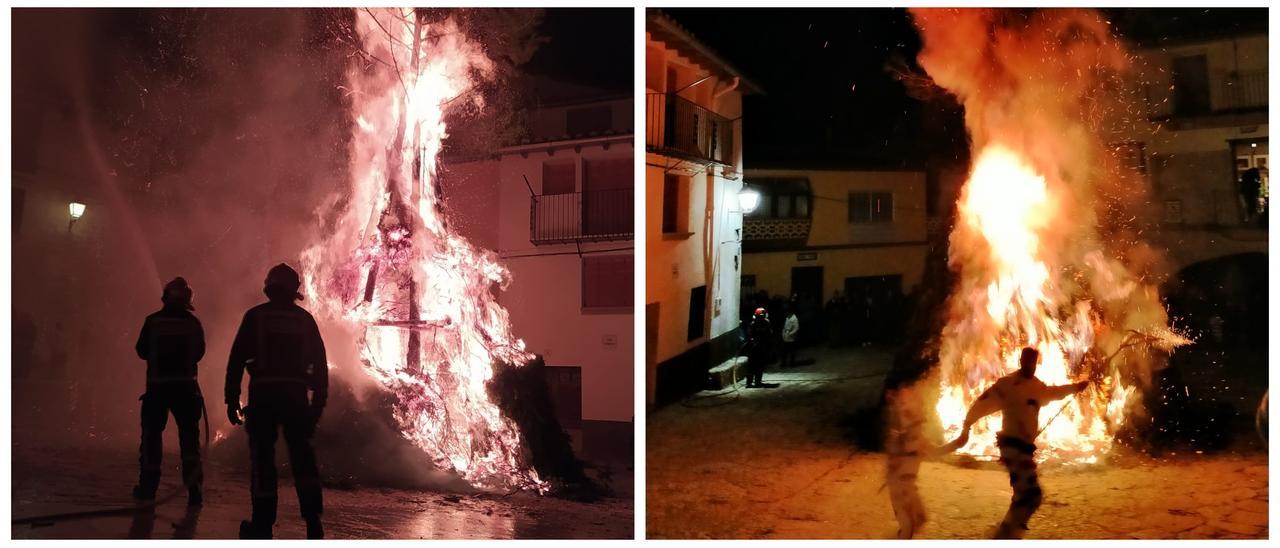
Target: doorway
876 308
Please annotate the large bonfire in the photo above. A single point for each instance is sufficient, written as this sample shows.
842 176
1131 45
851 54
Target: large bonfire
1044 247
416 297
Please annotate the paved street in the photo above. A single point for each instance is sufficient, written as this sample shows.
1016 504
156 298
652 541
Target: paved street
50 480
778 463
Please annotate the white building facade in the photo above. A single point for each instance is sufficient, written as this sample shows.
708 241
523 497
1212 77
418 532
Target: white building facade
559 209
693 223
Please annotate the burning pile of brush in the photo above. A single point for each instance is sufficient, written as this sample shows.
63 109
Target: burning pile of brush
1045 248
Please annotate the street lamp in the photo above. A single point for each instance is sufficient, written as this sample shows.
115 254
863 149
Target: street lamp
77 211
748 200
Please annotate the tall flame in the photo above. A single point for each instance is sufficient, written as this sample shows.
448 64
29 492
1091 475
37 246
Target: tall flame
1040 261
416 296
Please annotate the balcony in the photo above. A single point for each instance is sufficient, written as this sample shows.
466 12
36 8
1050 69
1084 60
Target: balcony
774 233
1243 92
677 127
1226 93
592 216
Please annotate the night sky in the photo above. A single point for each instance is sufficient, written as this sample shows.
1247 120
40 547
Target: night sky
831 99
588 46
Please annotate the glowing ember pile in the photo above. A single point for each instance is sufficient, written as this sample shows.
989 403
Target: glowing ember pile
1040 259
414 295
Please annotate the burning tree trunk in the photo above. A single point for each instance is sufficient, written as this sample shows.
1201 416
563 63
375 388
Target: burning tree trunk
414 295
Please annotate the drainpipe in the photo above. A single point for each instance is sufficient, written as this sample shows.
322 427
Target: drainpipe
733 86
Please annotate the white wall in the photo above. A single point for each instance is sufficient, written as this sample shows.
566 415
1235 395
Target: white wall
490 204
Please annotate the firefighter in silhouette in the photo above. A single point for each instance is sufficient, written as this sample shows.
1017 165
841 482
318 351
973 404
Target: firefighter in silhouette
172 343
1018 397
759 349
280 346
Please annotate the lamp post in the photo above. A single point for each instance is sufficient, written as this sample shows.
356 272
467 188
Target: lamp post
77 211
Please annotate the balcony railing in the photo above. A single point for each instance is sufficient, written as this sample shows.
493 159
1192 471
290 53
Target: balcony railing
1246 90
678 127
774 228
591 216
1239 92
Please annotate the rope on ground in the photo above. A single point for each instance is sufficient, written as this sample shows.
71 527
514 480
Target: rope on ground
50 519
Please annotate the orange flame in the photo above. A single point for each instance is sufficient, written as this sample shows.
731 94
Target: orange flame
416 296
1038 250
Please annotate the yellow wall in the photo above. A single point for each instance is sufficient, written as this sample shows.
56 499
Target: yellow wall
864 249
773 269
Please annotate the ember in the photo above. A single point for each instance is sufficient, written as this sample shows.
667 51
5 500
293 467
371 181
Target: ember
1039 261
416 296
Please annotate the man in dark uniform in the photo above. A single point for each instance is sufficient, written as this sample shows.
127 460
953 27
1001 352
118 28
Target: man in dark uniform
759 348
280 346
172 343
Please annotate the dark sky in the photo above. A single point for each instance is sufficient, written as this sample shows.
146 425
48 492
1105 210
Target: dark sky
593 46
829 100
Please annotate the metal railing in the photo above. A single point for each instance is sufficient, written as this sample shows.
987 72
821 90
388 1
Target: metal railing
1241 91
596 215
1244 90
675 125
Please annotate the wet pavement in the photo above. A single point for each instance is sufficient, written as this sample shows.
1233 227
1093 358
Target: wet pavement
778 463
54 480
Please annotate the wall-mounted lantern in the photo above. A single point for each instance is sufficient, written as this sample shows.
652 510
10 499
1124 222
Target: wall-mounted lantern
77 211
748 200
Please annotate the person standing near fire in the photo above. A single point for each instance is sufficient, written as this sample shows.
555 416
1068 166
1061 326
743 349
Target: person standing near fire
759 348
790 328
1018 397
279 344
172 343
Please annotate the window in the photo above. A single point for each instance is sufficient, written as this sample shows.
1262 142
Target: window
607 196
559 178
697 312
674 218
784 206
802 205
584 120
1132 155
781 197
1191 85
870 207
607 282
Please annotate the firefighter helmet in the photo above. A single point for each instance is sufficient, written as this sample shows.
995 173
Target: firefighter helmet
177 292
284 277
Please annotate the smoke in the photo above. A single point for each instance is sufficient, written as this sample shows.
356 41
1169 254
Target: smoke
218 141
1039 86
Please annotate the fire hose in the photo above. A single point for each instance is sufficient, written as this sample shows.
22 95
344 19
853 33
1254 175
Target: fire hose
49 519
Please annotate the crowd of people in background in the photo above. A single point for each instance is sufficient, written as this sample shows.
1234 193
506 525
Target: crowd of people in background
864 320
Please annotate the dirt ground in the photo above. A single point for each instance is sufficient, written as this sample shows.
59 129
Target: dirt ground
50 480
777 463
